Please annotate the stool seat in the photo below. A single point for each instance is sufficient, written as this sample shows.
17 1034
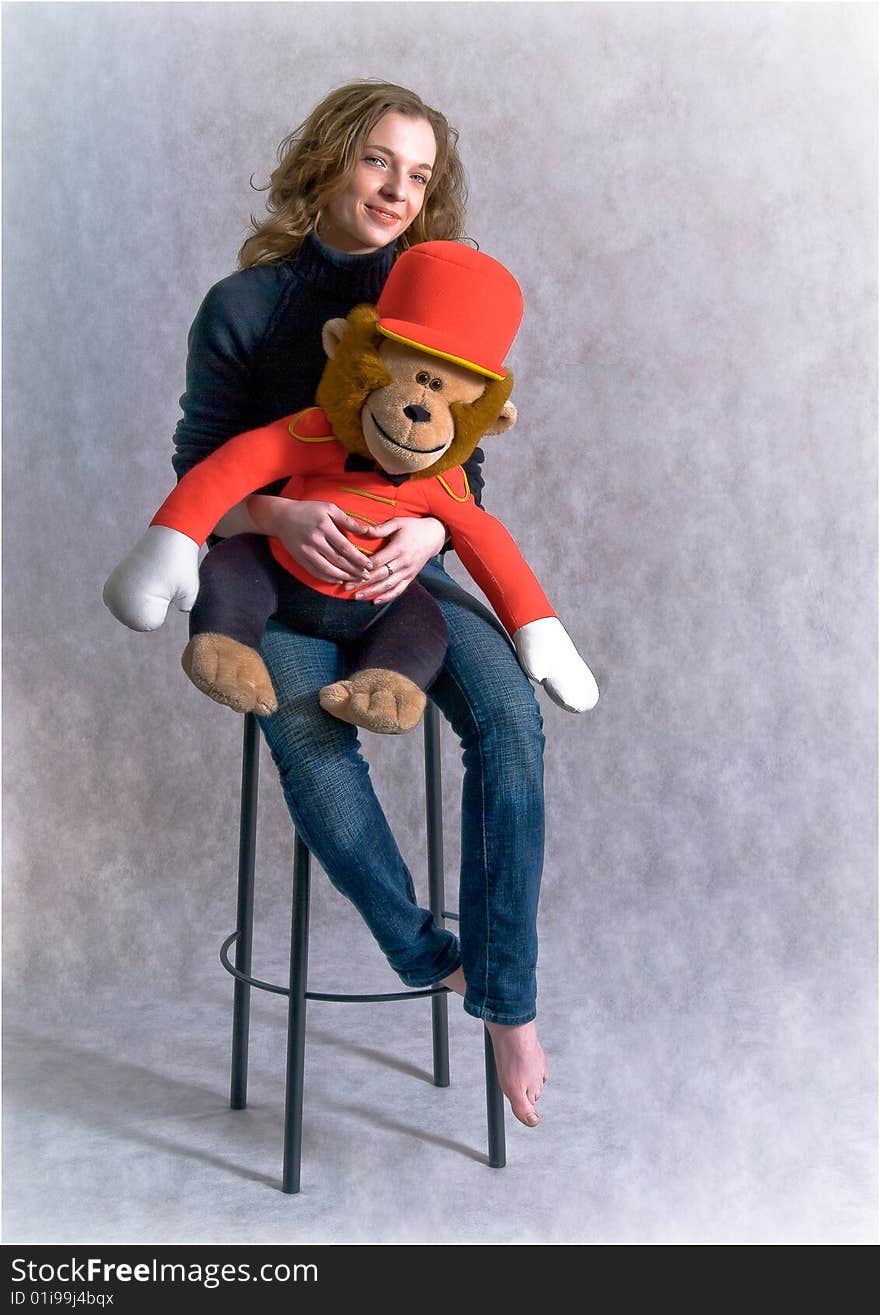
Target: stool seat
296 990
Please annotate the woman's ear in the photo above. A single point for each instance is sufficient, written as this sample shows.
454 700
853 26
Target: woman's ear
331 336
505 421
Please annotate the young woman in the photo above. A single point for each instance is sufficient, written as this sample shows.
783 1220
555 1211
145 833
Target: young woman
371 171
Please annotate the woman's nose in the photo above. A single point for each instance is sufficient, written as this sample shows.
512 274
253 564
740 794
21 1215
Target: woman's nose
392 187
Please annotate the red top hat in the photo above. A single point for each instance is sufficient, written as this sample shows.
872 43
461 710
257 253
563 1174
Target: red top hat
449 300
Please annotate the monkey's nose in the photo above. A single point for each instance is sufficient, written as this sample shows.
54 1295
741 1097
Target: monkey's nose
418 414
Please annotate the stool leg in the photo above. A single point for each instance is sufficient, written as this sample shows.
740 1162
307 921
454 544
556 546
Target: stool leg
296 1019
436 892
244 919
494 1107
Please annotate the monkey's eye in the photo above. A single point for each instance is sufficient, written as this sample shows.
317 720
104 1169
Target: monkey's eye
436 384
423 377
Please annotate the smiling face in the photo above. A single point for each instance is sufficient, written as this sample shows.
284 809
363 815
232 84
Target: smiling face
407 425
387 189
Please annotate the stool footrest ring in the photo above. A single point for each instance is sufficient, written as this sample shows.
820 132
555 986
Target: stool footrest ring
321 995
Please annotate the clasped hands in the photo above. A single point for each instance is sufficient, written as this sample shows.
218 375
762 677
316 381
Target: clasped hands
314 533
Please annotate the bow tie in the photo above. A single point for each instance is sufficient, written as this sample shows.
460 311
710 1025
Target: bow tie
354 461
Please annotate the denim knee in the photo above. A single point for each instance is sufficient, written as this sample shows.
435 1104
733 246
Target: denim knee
508 737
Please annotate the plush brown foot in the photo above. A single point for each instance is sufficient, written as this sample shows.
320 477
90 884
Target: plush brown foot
229 672
378 700
519 1060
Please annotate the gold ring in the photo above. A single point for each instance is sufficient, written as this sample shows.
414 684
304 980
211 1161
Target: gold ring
388 568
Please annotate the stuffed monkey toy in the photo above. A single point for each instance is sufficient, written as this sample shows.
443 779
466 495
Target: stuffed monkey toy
410 387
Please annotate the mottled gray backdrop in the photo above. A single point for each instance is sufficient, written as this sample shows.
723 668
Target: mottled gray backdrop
687 194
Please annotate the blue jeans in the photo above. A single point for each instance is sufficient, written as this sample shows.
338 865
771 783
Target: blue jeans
488 700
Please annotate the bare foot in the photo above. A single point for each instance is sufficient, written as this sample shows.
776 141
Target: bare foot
519 1059
378 700
522 1067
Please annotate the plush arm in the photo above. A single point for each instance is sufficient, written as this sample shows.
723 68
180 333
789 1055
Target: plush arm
492 557
543 646
242 464
162 568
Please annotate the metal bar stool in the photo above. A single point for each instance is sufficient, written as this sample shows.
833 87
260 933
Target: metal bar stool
296 991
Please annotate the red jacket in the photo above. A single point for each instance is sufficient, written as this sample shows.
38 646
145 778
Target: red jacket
303 447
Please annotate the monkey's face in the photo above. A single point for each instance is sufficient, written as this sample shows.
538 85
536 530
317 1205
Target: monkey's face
408 425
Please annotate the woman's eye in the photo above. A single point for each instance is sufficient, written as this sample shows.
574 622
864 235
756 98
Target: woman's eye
436 384
374 159
423 377
421 178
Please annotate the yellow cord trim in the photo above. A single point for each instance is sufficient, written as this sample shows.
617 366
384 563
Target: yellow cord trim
308 438
446 356
377 497
467 487
358 517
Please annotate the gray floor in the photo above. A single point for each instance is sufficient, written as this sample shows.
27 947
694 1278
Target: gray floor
117 1129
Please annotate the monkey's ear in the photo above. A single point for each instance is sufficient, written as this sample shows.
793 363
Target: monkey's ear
505 421
331 336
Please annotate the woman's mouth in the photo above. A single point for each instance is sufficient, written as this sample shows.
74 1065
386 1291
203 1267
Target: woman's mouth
384 216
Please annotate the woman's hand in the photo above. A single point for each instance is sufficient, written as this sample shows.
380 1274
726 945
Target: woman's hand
312 532
410 542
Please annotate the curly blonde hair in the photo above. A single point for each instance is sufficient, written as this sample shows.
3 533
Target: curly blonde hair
317 159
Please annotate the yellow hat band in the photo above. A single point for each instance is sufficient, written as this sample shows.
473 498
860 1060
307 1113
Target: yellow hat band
446 356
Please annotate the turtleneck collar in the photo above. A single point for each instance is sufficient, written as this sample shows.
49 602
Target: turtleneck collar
321 266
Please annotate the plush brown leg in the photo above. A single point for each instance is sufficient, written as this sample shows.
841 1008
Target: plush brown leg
230 673
379 700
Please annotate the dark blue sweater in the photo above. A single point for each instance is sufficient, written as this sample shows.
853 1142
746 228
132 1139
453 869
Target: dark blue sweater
254 349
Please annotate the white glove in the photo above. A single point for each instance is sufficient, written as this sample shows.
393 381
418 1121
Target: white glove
162 568
547 654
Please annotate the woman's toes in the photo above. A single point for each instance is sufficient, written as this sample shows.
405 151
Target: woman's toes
525 1111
